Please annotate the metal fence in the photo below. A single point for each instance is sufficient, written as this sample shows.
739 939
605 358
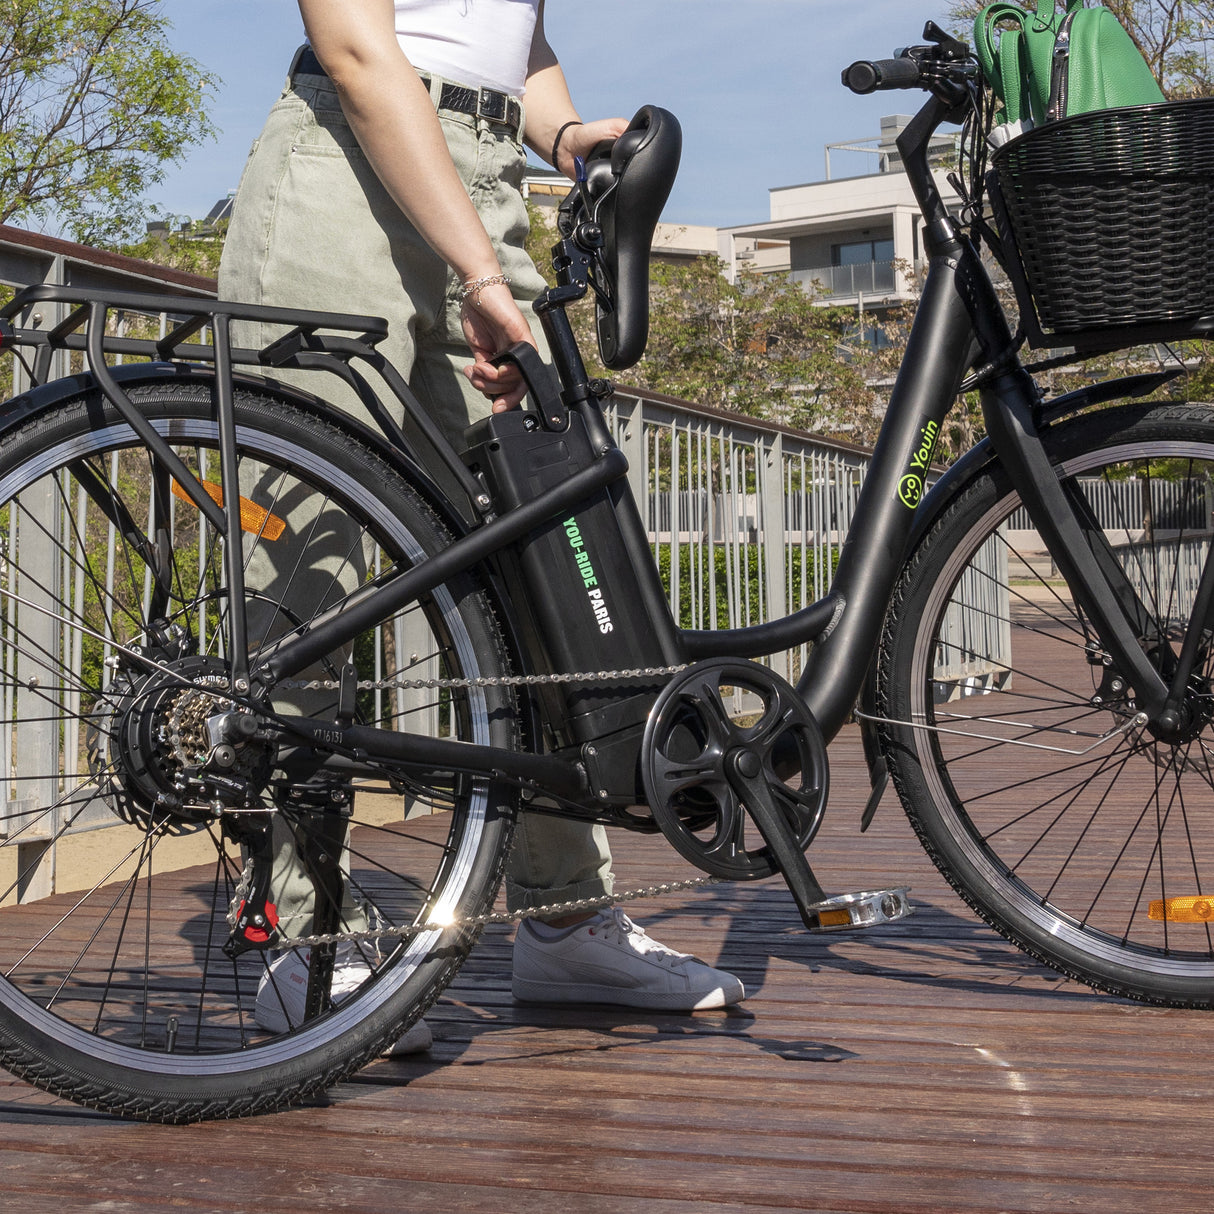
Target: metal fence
1136 503
1167 576
746 518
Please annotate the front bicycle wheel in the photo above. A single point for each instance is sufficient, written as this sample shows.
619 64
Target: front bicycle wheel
119 881
1070 828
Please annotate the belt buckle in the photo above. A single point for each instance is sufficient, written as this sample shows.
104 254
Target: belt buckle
491 104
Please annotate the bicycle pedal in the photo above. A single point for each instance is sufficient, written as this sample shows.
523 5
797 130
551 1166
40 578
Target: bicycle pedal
848 912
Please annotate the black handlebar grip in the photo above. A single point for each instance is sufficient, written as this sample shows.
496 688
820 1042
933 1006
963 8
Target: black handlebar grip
866 76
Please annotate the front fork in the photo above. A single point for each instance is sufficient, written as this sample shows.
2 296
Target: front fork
1075 541
960 324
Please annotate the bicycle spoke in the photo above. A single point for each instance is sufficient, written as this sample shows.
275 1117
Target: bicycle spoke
1090 857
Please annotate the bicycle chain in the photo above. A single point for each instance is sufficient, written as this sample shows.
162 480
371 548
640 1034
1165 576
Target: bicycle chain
498 917
553 909
550 910
505 680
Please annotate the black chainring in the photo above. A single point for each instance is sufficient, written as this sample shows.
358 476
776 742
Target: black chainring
683 765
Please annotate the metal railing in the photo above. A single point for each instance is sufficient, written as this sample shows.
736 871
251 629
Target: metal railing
866 278
746 517
1167 576
27 259
1135 503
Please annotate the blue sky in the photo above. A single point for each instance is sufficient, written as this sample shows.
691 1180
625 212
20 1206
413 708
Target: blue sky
755 84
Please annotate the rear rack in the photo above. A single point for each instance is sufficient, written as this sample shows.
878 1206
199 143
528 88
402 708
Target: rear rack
89 313
312 340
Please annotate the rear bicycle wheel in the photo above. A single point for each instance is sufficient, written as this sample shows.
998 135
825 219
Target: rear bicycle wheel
1081 836
117 883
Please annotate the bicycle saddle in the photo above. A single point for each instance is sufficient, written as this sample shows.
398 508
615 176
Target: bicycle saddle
627 182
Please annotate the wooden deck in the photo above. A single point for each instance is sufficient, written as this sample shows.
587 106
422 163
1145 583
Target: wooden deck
925 1066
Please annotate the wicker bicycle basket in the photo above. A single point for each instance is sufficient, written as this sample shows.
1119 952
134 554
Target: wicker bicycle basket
1112 216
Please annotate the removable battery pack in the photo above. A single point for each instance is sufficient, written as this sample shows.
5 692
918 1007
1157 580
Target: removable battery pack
578 581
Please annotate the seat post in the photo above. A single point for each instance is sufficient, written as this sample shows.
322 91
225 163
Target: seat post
572 264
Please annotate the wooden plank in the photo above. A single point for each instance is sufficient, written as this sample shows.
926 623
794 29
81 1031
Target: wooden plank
926 1066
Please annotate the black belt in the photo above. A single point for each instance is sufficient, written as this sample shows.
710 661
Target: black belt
481 103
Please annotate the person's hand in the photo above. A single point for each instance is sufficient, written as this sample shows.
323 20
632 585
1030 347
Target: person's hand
582 139
492 322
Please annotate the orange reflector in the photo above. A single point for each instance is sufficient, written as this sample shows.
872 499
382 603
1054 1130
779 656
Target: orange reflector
252 516
834 918
1190 909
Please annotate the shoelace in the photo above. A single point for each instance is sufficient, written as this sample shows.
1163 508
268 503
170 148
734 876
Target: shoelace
615 925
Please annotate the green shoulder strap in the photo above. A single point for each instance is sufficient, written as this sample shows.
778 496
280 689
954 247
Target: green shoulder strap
1001 61
984 35
1018 66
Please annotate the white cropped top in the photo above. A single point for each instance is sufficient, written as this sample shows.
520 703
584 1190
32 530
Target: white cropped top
486 43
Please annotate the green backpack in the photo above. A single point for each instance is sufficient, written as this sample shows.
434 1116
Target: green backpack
1052 64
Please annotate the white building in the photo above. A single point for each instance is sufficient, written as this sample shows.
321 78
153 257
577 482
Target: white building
858 238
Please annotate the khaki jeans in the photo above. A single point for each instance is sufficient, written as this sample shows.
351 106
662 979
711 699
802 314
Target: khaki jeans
313 227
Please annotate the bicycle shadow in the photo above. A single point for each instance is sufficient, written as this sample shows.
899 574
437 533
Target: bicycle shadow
936 946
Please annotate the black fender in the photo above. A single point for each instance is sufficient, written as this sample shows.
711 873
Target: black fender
957 479
20 408
47 396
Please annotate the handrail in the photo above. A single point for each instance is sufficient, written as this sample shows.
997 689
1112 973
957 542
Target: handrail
745 515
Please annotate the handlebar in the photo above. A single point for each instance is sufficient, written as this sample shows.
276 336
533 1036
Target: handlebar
869 76
943 66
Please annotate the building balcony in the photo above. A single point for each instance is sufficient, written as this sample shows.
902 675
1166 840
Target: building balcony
850 284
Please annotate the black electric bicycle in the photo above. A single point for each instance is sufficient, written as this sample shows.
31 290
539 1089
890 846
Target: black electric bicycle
191 674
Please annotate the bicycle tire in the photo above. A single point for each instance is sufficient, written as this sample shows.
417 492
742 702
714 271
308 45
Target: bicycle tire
1062 852
115 991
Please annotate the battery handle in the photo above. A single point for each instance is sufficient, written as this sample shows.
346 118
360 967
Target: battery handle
542 385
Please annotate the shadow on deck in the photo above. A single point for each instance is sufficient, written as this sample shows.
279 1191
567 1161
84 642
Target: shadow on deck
924 1066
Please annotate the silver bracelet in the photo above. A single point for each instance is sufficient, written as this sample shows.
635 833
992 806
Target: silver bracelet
477 285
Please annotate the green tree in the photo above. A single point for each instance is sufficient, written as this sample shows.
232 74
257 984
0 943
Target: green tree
758 346
195 247
94 103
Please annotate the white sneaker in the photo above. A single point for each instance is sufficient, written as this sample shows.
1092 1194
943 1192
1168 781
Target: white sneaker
283 990
608 959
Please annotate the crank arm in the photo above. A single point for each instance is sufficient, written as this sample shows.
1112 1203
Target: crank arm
744 770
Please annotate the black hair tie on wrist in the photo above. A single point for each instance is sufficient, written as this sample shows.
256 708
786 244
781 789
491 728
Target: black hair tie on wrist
556 143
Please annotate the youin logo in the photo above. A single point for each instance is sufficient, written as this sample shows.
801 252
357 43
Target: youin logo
910 487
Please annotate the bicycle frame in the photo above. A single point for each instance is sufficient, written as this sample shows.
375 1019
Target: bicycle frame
959 325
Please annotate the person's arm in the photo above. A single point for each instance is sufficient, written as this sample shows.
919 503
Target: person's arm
393 119
549 108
